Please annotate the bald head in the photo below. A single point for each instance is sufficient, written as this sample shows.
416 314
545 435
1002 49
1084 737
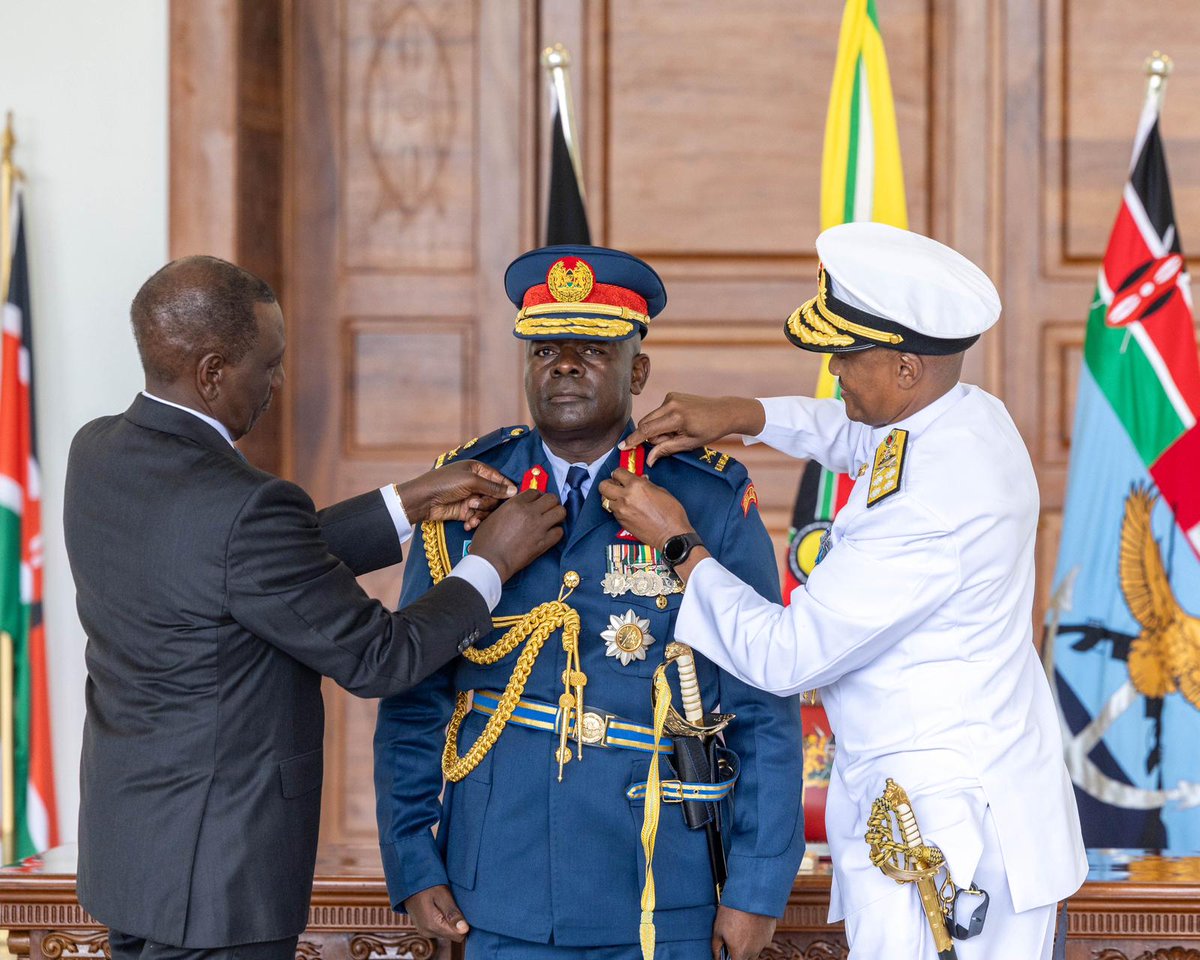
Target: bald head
193 307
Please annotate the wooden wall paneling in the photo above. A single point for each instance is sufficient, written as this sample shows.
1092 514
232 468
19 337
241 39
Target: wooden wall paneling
712 121
203 127
409 161
226 153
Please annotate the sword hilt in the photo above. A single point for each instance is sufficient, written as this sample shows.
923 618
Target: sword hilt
689 684
931 901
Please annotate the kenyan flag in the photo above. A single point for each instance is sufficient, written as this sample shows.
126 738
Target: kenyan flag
1124 622
33 818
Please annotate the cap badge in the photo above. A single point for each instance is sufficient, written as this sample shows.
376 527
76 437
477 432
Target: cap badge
570 280
627 637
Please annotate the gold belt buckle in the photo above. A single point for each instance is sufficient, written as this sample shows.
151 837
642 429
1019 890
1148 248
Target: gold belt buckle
595 729
676 783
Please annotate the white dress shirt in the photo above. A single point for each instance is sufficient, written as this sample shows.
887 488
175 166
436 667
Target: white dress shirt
917 627
477 571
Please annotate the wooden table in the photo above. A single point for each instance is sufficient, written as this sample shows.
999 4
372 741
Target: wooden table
1136 905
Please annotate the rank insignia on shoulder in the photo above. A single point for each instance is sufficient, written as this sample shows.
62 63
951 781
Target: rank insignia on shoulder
749 497
715 458
478 445
535 479
888 469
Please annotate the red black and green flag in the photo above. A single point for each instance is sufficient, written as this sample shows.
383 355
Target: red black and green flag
36 819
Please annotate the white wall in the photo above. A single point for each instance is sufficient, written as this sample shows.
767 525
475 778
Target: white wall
87 83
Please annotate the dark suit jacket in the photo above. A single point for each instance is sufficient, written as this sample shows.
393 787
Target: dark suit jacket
214 597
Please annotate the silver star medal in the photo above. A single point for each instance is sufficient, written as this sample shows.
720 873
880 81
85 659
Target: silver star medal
627 637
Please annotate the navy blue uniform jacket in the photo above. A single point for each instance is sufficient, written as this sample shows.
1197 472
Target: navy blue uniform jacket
532 858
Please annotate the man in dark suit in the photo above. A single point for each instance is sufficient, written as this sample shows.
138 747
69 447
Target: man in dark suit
214 598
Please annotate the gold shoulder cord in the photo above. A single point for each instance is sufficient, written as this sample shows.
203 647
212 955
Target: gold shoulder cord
534 627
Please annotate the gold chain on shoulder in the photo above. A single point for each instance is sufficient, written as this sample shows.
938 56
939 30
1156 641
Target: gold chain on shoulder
534 627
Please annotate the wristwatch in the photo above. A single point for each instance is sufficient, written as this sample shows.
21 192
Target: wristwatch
677 548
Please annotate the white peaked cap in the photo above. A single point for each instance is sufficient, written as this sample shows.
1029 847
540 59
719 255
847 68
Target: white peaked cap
905 291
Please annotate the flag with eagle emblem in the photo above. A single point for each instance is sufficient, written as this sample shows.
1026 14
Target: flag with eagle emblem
1123 627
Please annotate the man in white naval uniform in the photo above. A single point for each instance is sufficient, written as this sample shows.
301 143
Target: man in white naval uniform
916 623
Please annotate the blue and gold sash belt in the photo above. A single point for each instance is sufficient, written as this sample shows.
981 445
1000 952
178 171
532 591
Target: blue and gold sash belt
599 729
677 791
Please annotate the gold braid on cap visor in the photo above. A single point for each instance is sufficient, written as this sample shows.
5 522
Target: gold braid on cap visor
813 322
601 320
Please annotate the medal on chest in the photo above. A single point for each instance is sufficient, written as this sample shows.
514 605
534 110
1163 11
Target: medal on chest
632 566
627 637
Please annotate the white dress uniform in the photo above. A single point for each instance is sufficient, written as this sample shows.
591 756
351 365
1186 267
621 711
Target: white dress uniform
916 625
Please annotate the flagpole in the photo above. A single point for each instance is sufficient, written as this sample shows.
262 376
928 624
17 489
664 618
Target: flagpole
1158 69
557 61
8 176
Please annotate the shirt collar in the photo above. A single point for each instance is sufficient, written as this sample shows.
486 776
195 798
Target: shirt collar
559 467
215 424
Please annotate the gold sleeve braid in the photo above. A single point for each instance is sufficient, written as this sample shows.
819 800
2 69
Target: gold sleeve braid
534 627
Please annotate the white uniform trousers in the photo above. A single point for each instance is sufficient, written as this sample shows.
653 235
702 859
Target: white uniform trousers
895 927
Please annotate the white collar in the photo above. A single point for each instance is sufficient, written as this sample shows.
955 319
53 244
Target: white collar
215 424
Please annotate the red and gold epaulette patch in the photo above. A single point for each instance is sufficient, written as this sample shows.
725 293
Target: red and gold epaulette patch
634 460
535 479
749 497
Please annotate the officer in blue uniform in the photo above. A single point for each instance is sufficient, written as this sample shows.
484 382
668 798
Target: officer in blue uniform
538 850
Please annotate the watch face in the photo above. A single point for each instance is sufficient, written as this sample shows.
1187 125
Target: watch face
675 549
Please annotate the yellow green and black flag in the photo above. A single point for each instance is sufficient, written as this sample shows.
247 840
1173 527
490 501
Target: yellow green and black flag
861 179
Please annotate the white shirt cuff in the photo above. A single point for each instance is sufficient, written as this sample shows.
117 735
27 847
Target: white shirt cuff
480 574
758 437
404 529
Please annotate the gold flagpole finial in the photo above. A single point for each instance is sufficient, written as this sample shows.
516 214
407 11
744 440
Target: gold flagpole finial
9 174
1158 68
556 56
557 61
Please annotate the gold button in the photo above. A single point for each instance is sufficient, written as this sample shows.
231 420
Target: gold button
571 579
661 602
517 432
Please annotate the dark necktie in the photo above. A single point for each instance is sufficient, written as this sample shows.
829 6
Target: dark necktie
574 503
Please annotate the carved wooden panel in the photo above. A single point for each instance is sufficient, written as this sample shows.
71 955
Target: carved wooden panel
408 134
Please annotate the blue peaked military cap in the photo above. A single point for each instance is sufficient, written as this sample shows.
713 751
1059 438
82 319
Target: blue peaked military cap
579 292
